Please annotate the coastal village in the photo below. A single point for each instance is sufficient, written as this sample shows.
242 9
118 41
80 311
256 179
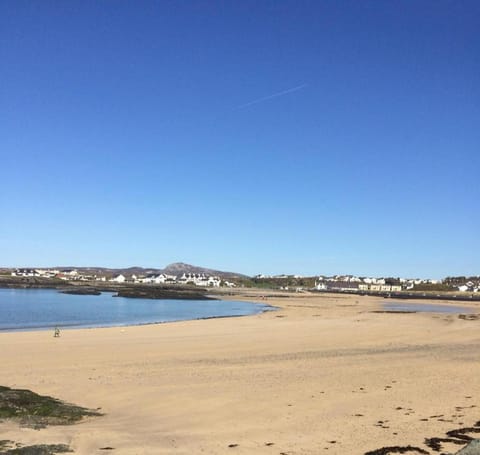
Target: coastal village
197 279
336 283
352 283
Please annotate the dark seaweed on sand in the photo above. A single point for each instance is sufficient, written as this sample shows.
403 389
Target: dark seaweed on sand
38 411
396 449
459 436
38 449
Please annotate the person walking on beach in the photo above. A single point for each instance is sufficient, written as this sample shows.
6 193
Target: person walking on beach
56 332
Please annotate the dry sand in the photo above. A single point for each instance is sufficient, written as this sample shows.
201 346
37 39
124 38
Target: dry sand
317 376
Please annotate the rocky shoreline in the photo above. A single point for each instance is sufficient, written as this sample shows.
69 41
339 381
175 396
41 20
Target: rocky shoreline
151 291
121 290
159 292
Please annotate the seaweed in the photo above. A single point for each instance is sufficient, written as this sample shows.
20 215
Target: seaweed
38 411
38 449
397 449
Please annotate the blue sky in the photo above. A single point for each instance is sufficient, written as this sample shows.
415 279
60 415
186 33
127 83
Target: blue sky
262 137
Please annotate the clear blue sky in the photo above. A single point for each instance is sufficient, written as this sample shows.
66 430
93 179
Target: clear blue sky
261 137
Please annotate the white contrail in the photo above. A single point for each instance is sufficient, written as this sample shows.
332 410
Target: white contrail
269 97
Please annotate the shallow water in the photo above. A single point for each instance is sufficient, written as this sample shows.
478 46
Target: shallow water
426 308
33 309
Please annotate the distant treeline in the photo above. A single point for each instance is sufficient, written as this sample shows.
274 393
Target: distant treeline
284 282
459 280
433 287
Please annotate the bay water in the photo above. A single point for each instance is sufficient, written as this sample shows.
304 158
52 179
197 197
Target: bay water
34 309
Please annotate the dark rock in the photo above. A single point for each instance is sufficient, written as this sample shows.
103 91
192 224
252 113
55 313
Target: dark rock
81 291
159 292
473 448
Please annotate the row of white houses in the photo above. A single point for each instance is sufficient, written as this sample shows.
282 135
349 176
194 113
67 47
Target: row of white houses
348 286
67 275
197 279
469 286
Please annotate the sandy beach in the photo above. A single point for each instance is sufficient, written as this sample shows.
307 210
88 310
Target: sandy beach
323 374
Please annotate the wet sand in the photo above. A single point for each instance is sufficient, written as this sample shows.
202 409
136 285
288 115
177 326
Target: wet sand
323 374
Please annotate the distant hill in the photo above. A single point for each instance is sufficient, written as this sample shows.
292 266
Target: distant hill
177 268
107 270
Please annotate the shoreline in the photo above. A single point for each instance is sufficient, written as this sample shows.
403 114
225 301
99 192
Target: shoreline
128 290
225 308
318 369
155 291
408 295
267 308
141 324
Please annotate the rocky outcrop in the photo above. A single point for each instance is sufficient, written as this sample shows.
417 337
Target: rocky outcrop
473 448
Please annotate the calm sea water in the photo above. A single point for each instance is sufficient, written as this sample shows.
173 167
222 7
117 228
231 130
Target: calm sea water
32 309
426 307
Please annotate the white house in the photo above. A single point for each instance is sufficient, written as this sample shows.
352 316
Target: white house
153 279
118 279
374 280
159 279
25 272
200 279
214 281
